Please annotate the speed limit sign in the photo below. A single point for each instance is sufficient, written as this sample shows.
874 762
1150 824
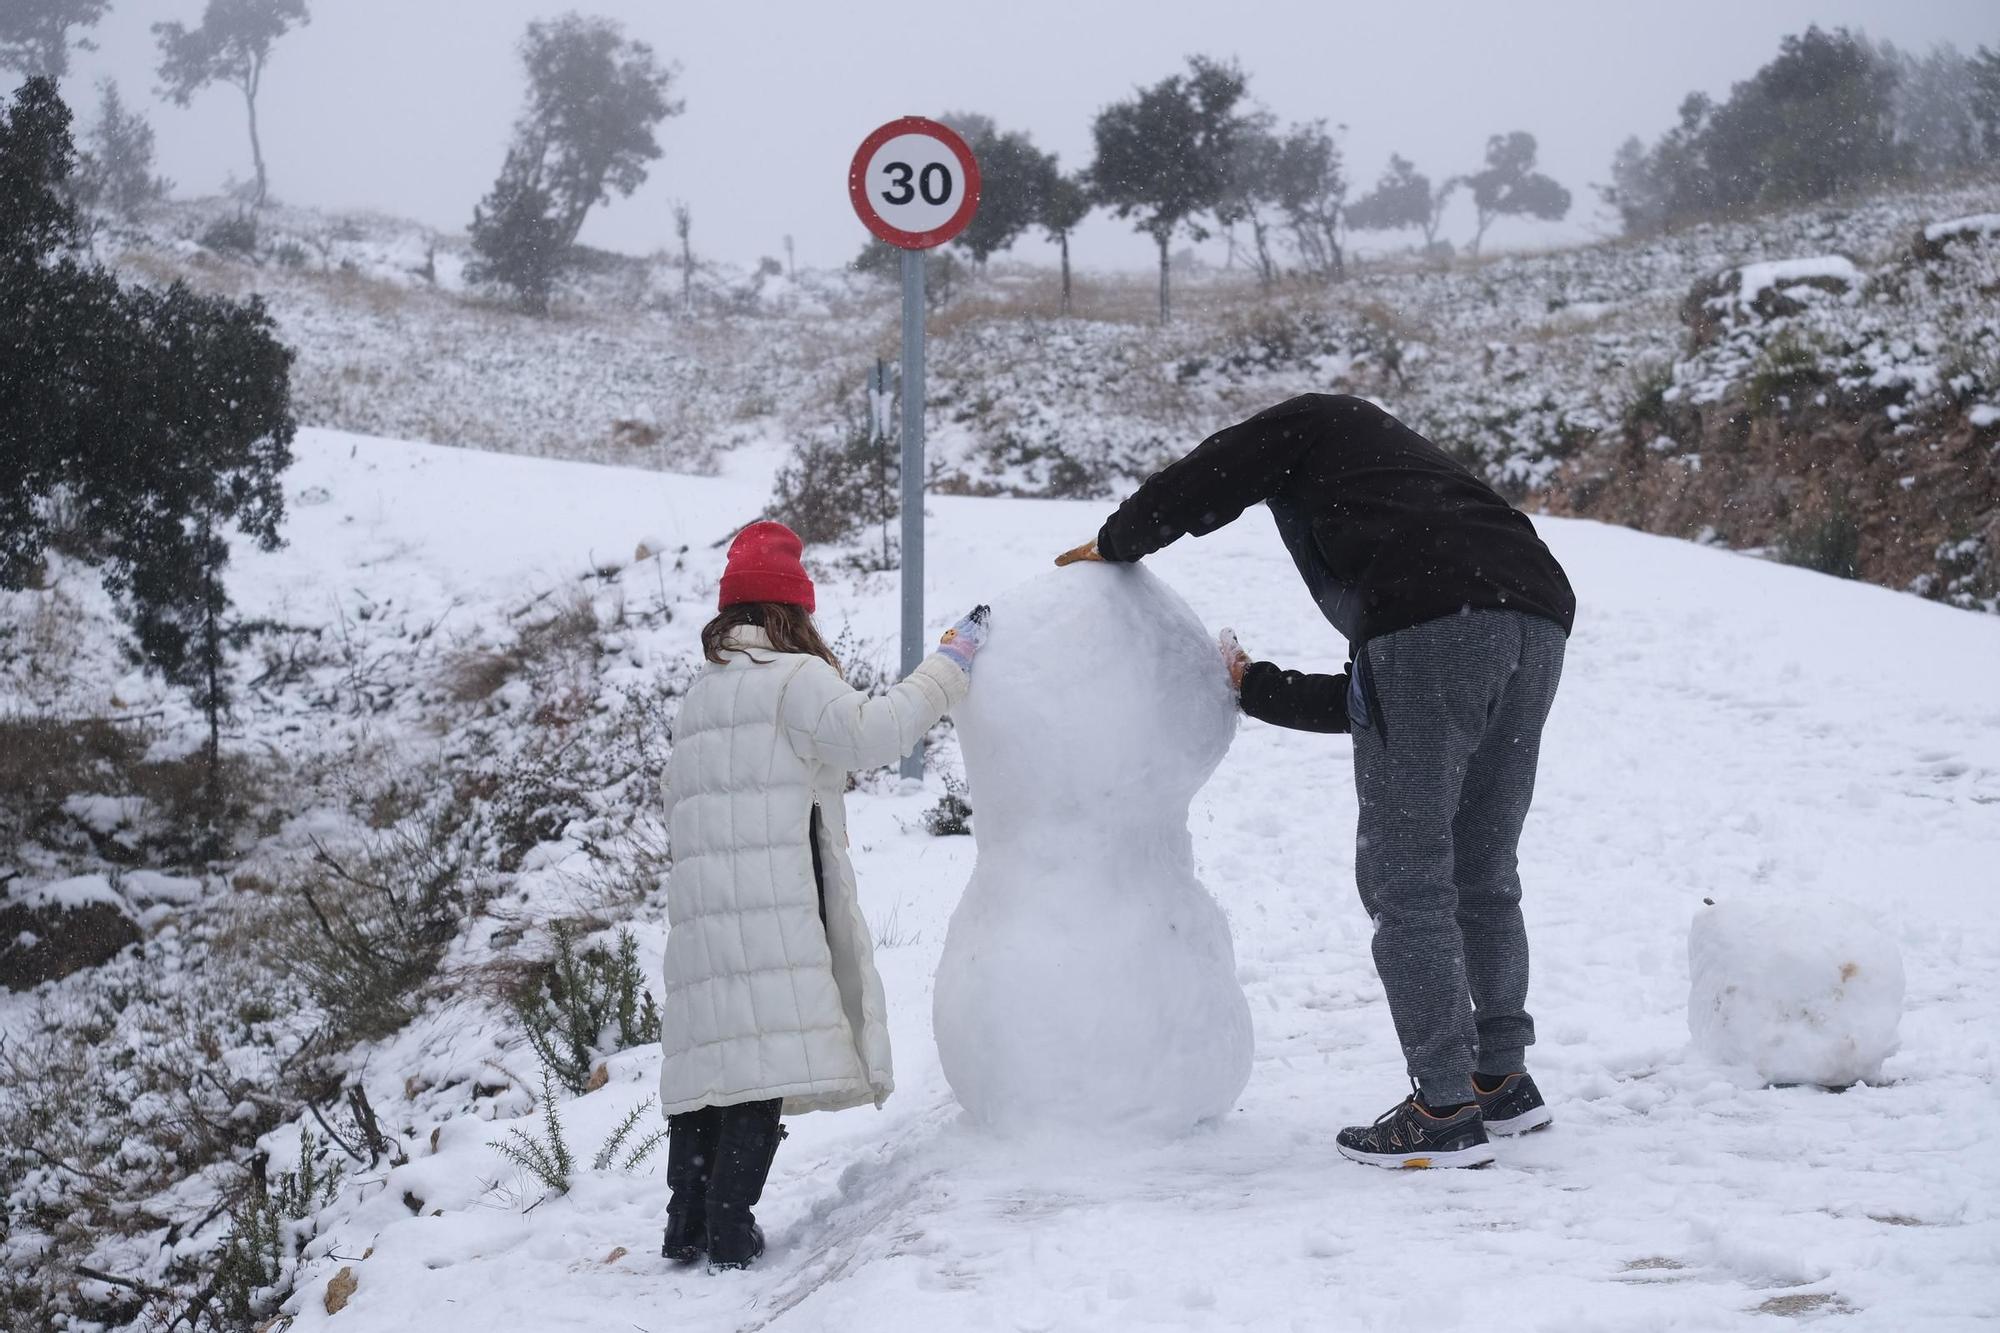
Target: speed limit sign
914 183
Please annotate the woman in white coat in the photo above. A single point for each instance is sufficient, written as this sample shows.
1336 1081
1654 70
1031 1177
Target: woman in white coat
773 1004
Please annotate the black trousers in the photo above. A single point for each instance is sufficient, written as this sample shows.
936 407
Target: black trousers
703 1147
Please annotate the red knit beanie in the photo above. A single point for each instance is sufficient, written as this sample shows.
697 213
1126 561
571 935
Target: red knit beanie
764 567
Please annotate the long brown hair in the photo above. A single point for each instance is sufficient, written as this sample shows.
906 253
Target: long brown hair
790 629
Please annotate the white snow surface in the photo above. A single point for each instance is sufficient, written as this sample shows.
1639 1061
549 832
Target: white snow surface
1800 991
1088 980
1727 728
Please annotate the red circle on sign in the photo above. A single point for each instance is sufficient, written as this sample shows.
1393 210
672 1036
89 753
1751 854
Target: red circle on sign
864 207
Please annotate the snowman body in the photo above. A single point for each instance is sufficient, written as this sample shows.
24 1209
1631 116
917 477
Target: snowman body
1088 980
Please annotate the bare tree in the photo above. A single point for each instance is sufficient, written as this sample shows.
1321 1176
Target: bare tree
232 46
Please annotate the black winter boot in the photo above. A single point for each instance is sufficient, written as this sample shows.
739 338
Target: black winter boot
748 1142
691 1140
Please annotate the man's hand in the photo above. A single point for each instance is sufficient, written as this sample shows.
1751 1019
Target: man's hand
1234 659
1087 551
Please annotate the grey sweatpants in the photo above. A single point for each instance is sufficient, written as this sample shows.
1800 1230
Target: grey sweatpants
1445 744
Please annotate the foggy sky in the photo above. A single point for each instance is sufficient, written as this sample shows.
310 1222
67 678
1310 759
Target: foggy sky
405 106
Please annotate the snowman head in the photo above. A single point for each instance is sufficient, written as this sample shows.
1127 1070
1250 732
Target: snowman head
1099 702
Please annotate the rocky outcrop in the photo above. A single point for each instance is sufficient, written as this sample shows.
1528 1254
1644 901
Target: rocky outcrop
1813 477
1759 293
49 941
1934 240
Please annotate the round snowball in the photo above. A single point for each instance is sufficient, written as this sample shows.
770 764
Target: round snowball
1800 991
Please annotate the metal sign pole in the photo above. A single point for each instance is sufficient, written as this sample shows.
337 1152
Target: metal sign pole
915 184
913 478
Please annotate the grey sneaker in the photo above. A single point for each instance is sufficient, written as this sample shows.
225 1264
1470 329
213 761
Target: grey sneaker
1515 1107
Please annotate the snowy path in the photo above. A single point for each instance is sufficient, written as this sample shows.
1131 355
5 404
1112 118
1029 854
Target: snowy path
1726 728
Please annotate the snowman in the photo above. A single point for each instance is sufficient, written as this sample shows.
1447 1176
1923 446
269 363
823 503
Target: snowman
1088 980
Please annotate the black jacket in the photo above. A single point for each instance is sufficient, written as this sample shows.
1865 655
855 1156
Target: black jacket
1301 700
1386 528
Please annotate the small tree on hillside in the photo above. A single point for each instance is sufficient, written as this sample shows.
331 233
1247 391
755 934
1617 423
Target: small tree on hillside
39 431
205 423
1658 189
1821 117
1403 198
1509 185
157 418
1164 155
117 168
1065 202
515 236
1309 187
1984 68
232 46
595 101
37 218
35 34
1012 173
1818 119
1938 130
1250 189
879 259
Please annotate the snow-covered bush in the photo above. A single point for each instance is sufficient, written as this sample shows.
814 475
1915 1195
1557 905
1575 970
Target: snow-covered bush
266 1231
586 1004
368 925
157 1078
951 817
837 484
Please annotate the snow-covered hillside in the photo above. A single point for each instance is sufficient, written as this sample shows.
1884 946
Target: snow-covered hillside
1728 728
1570 374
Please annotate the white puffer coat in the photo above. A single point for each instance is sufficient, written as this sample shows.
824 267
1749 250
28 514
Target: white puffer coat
762 999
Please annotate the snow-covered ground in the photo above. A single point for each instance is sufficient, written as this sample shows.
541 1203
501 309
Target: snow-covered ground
1727 728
